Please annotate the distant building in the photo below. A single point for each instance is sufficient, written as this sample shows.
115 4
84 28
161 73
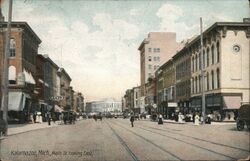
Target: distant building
106 105
136 99
65 90
78 102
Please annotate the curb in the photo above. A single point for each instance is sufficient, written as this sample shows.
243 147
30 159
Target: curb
30 131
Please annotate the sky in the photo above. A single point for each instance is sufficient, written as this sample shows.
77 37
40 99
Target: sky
96 41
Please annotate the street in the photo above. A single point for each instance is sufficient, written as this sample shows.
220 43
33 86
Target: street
115 139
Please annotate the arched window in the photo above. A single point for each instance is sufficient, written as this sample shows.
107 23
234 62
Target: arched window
199 61
218 77
196 63
192 85
218 51
204 59
212 54
208 56
12 47
207 81
199 83
12 75
212 79
196 85
193 64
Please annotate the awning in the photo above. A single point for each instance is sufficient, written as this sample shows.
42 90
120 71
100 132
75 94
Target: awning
28 77
231 102
16 101
58 109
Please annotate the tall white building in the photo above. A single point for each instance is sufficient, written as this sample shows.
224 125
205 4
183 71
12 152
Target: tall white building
155 50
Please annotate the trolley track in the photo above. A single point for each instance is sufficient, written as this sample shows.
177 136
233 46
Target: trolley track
196 138
145 139
123 143
171 137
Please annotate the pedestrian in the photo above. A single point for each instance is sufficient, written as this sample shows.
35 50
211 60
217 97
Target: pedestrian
95 117
193 117
49 118
34 117
196 119
132 119
160 119
39 117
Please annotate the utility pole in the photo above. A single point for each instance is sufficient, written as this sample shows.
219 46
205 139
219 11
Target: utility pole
5 81
202 76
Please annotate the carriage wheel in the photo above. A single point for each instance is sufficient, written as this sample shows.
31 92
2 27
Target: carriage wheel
240 125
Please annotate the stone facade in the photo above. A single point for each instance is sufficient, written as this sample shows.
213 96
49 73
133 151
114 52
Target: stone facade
226 68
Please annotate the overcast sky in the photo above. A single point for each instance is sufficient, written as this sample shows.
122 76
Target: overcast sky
96 41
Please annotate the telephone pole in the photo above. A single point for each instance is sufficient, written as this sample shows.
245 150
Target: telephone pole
5 79
202 76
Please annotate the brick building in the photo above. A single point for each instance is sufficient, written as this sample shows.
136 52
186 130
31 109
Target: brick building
22 69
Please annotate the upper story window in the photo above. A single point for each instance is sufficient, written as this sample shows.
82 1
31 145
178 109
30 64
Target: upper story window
157 50
218 51
208 53
212 79
196 63
12 47
204 59
192 64
158 58
212 54
218 77
199 61
207 81
149 58
149 66
149 49
12 75
155 58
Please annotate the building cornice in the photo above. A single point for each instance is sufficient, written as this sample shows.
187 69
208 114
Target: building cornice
23 25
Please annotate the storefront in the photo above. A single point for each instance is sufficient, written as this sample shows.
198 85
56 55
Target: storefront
19 106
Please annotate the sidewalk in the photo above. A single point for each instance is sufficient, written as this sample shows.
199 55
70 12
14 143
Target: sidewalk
191 123
14 129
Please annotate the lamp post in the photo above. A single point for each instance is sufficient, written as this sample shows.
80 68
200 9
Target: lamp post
5 81
202 76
